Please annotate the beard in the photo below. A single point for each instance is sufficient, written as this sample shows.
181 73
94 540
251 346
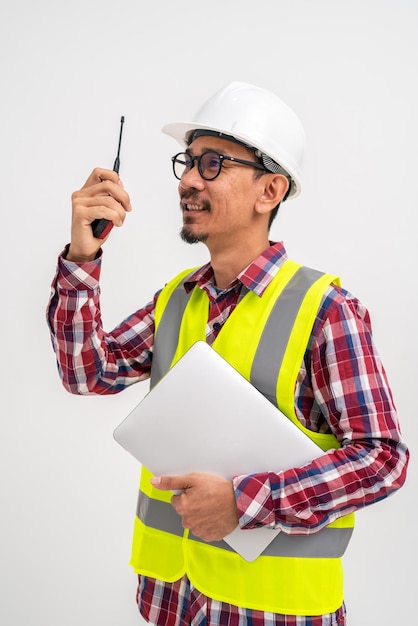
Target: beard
190 237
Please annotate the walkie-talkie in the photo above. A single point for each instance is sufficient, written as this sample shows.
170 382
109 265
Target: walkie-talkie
101 228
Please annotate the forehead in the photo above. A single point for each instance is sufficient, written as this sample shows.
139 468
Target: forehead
223 146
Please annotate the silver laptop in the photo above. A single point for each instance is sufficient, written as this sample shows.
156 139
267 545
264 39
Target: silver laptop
204 416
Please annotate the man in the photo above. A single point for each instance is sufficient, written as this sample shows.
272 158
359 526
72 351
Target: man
242 157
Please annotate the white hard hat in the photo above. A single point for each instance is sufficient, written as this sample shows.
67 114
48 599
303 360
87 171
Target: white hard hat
256 117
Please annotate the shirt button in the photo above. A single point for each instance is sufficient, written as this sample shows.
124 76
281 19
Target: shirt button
216 326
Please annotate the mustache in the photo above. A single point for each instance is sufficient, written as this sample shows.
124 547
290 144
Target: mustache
192 196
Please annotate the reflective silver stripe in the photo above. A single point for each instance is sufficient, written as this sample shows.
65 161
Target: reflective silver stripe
275 337
166 337
327 543
159 515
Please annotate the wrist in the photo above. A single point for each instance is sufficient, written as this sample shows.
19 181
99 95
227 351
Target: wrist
77 257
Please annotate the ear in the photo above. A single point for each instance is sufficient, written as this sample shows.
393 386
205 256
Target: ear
272 191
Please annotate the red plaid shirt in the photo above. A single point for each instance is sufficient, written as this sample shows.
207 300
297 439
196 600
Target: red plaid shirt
341 388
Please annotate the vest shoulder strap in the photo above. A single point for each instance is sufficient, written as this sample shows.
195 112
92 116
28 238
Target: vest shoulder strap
171 304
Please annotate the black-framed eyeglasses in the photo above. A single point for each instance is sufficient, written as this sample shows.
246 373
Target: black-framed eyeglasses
209 164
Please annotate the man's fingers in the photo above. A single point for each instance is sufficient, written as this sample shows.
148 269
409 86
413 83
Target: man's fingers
88 209
99 175
102 182
170 483
103 189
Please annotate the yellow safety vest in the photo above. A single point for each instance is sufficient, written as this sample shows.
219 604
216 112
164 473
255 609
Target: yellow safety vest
296 574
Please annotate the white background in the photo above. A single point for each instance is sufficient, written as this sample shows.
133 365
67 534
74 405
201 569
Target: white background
69 70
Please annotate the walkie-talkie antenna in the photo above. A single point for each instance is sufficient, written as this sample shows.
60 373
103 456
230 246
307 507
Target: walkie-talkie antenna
117 160
101 227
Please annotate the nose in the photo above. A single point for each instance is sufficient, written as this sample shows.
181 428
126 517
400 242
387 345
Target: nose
192 179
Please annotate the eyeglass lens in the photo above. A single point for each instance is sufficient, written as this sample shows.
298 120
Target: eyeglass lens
209 164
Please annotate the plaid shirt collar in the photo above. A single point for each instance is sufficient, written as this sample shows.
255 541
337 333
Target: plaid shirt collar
256 276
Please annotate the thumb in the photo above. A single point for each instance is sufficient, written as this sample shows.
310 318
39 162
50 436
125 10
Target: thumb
170 483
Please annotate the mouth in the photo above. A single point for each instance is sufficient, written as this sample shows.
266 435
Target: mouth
194 207
190 202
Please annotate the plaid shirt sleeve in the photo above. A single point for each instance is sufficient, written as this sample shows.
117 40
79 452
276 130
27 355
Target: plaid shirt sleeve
342 388
91 361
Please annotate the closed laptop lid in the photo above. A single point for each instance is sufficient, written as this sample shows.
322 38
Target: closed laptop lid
204 416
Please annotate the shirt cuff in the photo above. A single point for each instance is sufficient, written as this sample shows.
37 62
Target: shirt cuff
254 501
79 276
